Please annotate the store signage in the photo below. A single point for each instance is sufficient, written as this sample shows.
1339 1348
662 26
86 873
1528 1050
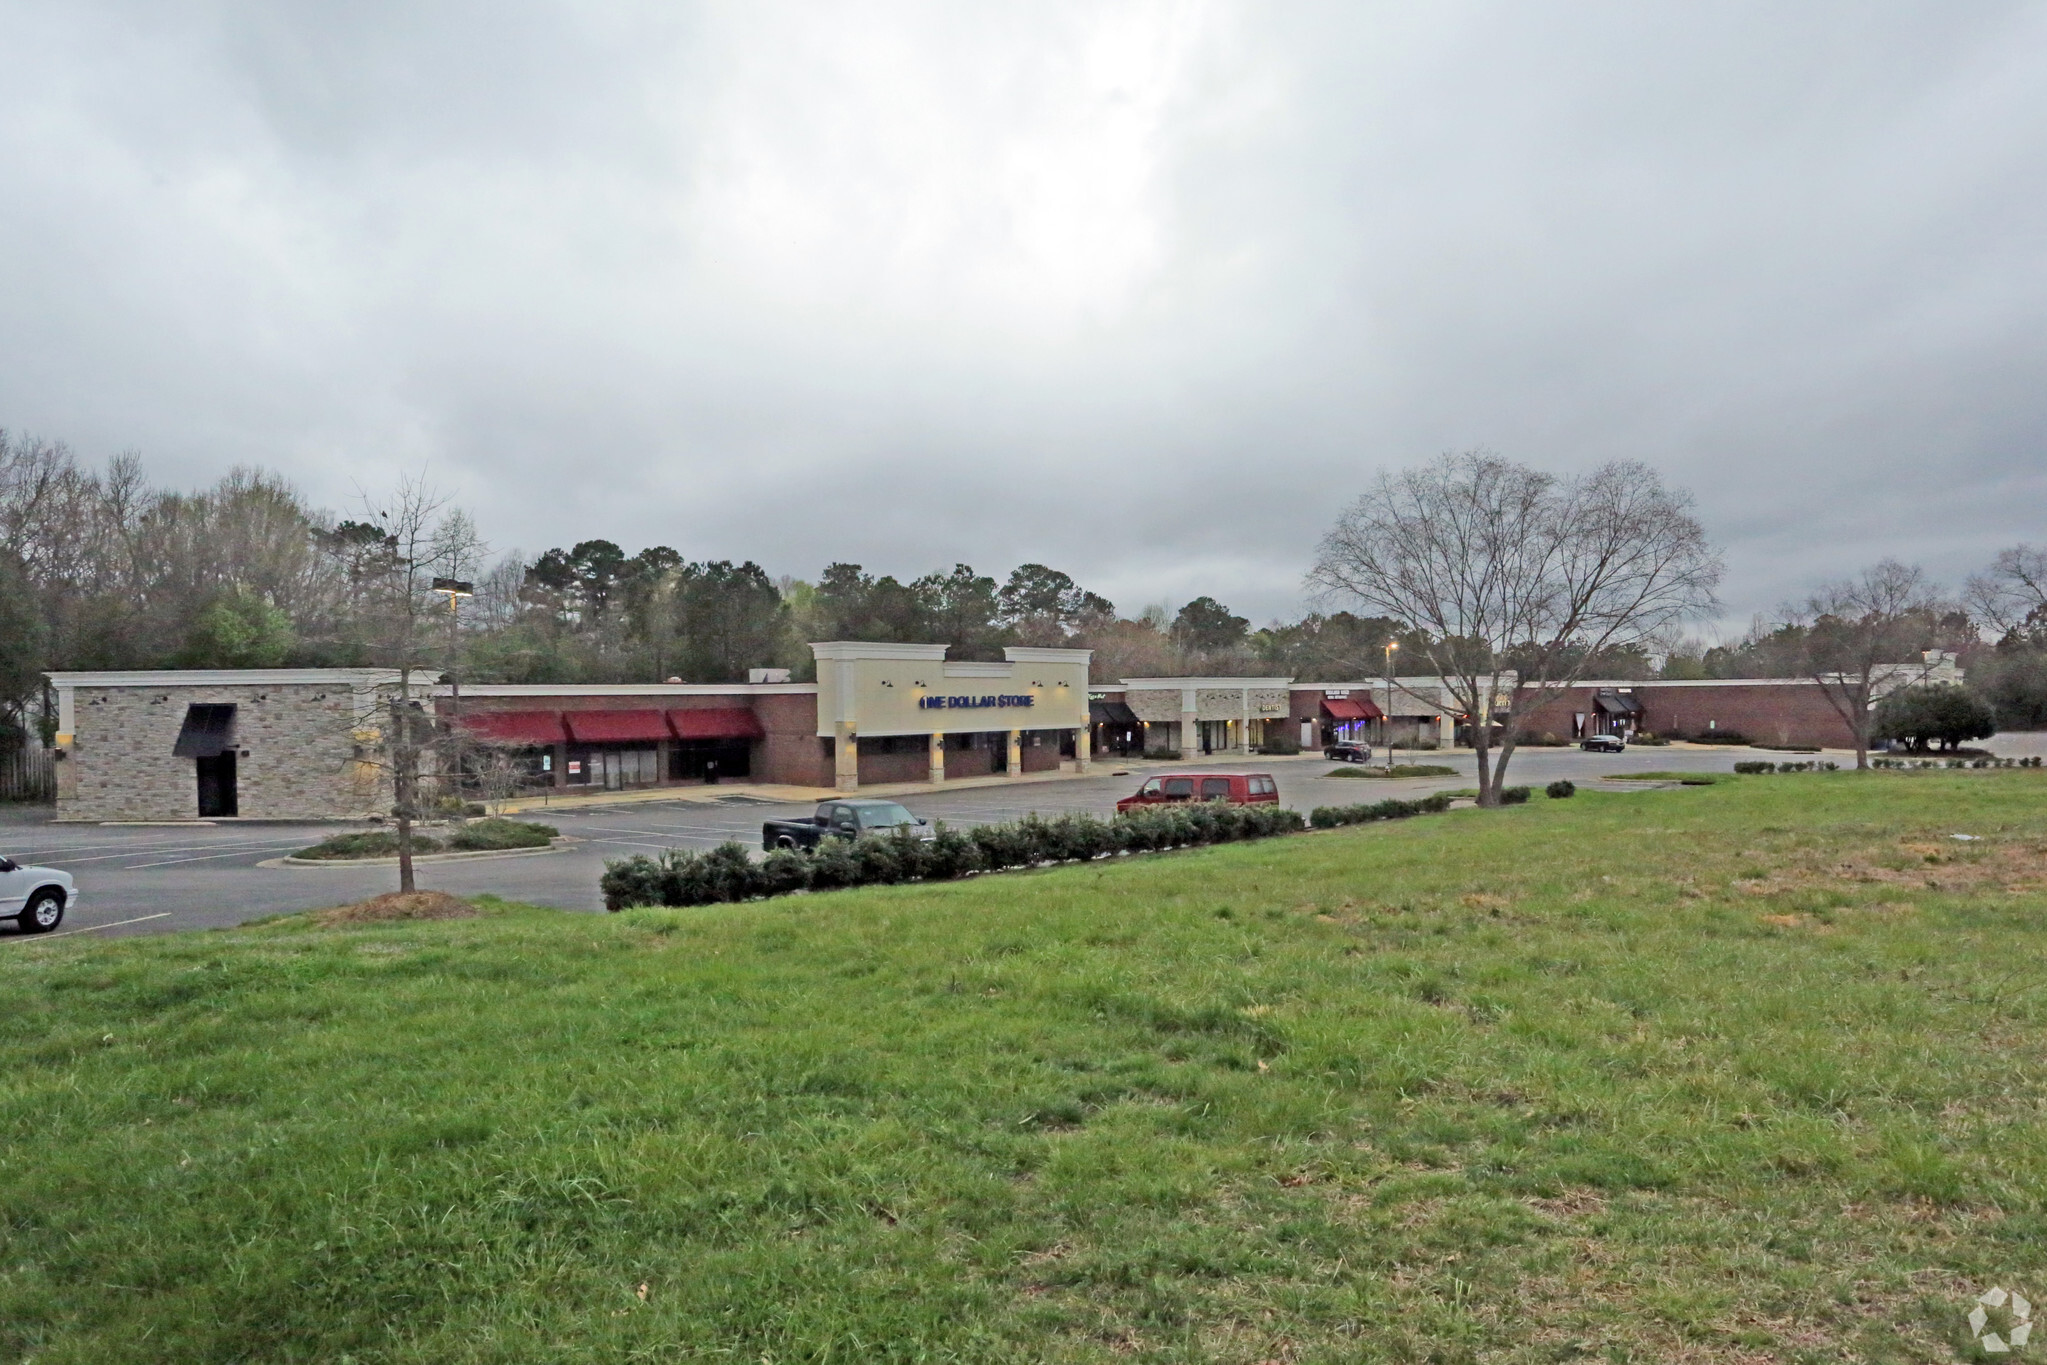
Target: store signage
974 703
1336 693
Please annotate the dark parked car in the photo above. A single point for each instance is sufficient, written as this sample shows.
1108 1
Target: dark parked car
1603 744
841 820
1239 789
1348 753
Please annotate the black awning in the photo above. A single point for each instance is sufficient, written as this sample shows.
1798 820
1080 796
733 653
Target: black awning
1112 713
208 731
1615 703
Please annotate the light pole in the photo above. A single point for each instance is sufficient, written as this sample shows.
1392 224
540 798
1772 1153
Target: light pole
457 589
1386 717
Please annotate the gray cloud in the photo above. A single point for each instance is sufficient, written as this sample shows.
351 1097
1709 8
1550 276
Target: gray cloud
1142 290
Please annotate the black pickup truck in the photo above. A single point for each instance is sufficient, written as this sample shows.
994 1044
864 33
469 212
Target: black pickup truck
841 820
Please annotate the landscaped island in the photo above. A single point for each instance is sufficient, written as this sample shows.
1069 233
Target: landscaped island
1735 1072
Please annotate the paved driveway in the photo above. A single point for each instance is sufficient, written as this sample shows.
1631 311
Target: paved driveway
153 879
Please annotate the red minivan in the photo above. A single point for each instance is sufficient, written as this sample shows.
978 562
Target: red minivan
1239 789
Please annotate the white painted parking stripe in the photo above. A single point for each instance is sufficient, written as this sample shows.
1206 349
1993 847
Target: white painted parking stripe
206 857
185 848
95 928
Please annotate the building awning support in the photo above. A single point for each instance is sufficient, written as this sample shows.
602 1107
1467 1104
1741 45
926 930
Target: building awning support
208 731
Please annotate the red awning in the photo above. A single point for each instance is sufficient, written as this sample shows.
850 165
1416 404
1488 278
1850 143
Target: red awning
518 728
1344 708
716 722
615 727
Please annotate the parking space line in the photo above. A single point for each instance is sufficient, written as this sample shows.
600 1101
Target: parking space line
95 928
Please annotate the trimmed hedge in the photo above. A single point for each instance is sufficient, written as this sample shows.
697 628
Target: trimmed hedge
1513 796
2033 762
728 872
1822 766
1558 790
1329 817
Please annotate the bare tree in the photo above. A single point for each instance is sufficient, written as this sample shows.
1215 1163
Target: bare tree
1854 635
421 541
1487 561
2012 593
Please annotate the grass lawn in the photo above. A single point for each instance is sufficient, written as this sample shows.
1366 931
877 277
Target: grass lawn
1750 1072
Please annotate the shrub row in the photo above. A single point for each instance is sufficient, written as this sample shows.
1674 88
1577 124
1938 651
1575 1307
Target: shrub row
2033 762
1329 817
728 873
1819 766
478 836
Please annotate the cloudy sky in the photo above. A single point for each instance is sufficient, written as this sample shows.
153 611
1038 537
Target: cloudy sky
1145 290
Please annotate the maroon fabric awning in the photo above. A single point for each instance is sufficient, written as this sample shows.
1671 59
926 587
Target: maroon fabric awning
716 722
1344 708
516 728
615 727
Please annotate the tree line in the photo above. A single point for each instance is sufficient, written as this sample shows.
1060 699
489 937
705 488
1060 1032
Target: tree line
1587 577
99 569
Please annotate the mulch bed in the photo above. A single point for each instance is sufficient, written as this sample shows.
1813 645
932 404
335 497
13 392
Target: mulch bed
398 905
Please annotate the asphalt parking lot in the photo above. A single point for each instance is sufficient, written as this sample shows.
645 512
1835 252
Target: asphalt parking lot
156 879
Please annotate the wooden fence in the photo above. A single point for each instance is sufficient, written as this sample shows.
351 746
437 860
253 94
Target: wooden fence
28 774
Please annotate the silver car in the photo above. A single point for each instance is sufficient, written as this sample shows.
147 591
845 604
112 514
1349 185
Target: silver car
35 897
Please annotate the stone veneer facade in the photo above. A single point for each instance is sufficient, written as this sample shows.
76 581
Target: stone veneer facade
296 746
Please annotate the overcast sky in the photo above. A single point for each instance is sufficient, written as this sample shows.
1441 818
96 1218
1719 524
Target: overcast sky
1144 291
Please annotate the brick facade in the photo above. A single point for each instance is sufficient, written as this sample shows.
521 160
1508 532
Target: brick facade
1792 711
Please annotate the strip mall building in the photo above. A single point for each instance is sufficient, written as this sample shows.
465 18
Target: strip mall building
299 744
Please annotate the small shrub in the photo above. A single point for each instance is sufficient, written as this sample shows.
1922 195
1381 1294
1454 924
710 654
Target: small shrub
726 873
492 834
1720 737
1646 737
832 865
1754 766
874 862
912 854
1173 754
784 872
952 854
1558 791
1513 796
367 844
630 881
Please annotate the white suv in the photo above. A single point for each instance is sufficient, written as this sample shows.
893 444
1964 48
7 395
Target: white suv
35 897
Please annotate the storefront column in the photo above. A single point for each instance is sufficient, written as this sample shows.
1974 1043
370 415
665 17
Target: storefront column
561 765
937 768
845 757
1244 730
1190 725
1084 748
1015 752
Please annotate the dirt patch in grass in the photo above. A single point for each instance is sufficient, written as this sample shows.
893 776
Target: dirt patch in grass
1920 864
397 905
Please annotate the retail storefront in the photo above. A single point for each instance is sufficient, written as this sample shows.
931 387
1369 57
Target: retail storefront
1197 716
902 713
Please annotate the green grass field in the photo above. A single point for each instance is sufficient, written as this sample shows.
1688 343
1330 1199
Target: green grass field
1750 1072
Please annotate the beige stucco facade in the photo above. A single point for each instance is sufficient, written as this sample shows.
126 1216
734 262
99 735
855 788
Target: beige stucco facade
872 690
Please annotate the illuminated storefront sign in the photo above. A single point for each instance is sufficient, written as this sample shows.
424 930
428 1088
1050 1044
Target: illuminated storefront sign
974 703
